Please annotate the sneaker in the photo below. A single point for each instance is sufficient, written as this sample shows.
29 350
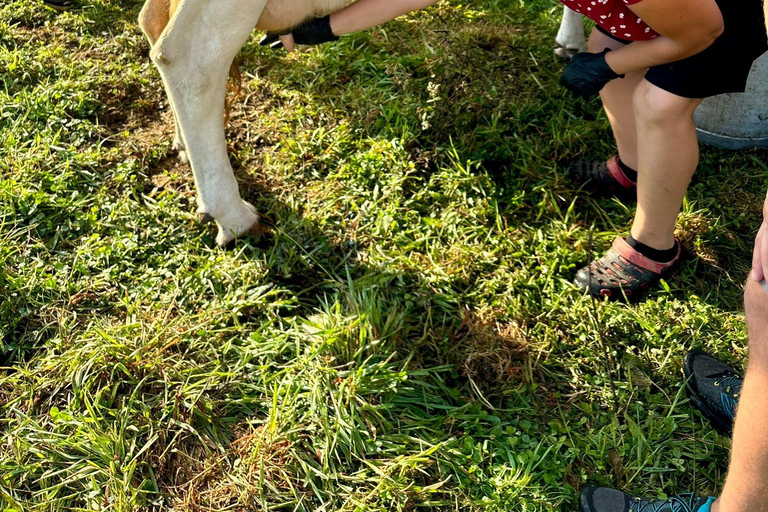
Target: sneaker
714 389
61 5
604 499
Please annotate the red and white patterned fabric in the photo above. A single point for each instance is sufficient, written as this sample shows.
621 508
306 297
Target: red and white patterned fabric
614 17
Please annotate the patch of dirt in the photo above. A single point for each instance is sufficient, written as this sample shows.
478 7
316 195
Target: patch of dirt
492 353
235 481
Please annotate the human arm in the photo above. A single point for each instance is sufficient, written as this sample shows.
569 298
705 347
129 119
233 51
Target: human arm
686 27
361 15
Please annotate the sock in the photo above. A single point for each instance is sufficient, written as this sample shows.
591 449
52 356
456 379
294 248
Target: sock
628 171
661 256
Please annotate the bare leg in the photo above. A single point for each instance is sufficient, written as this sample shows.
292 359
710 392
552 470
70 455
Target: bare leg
746 489
617 99
194 55
668 153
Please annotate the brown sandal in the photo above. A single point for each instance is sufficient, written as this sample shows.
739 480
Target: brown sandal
624 273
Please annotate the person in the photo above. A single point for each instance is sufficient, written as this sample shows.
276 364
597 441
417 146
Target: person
652 62
361 15
720 393
61 5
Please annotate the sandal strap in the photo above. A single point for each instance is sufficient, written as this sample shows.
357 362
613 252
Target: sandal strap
626 251
614 169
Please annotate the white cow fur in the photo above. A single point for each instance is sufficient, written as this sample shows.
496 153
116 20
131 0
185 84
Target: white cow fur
194 43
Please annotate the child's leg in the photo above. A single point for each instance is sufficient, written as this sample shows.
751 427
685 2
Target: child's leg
668 153
617 99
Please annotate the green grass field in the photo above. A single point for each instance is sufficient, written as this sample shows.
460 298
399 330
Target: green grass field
404 338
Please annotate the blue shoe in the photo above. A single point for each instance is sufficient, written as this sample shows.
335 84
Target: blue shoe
61 5
604 499
713 388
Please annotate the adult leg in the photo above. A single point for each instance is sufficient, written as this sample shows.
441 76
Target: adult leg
194 55
668 153
746 488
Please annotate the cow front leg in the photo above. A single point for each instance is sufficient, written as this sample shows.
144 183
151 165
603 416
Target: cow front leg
194 55
571 38
153 19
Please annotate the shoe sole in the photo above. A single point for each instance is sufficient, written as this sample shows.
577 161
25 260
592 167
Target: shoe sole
724 428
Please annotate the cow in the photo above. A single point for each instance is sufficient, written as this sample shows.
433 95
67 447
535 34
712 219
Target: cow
194 44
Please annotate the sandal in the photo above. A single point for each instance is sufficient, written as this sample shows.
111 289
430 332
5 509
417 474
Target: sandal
624 273
61 5
603 178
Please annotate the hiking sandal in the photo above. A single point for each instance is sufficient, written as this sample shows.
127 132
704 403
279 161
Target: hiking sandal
603 178
623 273
61 5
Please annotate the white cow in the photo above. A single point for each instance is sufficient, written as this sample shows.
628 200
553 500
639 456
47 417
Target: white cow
194 43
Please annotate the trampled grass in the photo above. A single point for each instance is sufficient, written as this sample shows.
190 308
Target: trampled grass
405 337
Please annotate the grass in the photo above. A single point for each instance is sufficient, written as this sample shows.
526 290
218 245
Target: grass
405 338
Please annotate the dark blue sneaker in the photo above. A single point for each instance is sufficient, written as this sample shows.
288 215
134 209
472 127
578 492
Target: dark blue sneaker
714 389
61 5
604 499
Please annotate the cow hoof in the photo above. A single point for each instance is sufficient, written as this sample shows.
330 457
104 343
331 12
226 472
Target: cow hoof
566 53
246 224
181 150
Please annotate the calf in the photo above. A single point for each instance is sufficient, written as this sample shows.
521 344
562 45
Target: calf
194 43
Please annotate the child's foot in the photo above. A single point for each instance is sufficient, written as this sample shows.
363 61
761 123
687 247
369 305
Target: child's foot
603 499
624 273
611 178
61 5
714 389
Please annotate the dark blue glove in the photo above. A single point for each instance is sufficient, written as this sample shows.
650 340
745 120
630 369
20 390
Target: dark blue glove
587 74
313 32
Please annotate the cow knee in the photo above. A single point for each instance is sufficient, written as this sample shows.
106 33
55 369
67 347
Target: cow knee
656 107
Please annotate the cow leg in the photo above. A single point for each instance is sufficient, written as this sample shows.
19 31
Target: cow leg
571 38
194 55
153 19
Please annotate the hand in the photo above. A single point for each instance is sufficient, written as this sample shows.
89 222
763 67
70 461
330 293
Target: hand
587 74
760 256
278 42
313 32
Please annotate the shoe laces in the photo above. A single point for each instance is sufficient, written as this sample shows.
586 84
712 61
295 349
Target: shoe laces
730 383
680 503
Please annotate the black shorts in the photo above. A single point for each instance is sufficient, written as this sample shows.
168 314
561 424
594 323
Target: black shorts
723 67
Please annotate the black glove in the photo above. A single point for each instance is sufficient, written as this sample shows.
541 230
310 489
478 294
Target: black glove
313 32
587 74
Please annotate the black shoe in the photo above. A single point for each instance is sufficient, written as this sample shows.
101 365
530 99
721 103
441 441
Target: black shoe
603 178
714 389
604 499
61 5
